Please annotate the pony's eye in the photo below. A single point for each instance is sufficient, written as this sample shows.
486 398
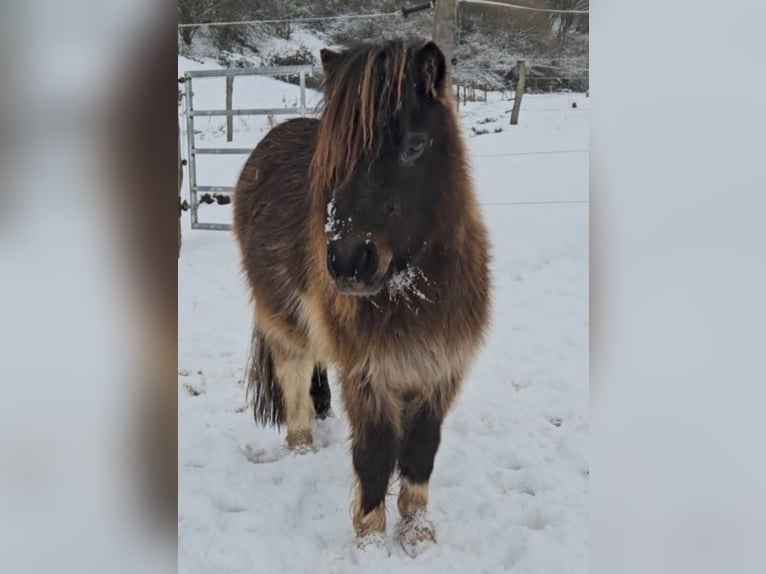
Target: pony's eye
414 149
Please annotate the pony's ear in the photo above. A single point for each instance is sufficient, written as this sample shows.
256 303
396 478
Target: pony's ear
431 69
328 57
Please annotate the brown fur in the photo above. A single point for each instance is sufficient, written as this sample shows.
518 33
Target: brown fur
395 353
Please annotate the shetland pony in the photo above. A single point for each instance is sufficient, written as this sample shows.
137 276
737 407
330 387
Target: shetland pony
365 250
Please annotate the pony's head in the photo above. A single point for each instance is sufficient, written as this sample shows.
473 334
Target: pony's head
385 136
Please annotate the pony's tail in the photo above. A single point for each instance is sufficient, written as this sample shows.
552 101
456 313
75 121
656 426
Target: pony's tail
262 386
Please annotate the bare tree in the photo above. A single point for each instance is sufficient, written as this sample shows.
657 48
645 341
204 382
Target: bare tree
201 11
565 23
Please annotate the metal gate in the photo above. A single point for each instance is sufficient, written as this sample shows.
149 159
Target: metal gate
193 151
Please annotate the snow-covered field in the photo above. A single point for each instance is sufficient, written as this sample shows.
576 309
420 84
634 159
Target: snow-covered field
509 489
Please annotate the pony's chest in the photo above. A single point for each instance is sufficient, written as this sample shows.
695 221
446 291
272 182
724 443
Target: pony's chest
403 351
416 362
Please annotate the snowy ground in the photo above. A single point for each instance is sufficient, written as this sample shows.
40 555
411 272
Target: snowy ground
509 490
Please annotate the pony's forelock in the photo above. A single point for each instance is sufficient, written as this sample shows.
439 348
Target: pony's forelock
362 95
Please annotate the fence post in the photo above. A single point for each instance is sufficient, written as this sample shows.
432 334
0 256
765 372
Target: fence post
443 33
303 91
519 93
180 181
229 119
445 15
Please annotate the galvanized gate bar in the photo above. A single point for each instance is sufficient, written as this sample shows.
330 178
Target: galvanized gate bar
191 155
255 111
223 150
260 71
214 226
221 188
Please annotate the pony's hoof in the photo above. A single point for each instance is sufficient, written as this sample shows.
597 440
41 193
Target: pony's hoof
372 541
300 441
415 533
303 449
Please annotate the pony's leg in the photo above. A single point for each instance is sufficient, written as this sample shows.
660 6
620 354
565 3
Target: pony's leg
320 392
294 378
416 462
375 443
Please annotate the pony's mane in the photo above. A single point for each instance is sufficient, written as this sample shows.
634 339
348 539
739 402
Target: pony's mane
364 92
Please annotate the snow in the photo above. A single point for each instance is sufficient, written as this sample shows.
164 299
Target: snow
509 491
331 224
403 282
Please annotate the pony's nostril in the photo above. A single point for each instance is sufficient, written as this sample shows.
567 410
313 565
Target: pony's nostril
351 260
362 260
366 263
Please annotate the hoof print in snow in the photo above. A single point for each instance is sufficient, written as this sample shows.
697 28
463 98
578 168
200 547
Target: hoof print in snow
183 372
535 519
191 390
263 455
415 534
556 421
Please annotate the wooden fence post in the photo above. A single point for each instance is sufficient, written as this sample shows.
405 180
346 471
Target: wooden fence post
445 15
229 119
519 93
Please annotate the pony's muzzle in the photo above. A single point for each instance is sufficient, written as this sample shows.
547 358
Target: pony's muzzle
355 266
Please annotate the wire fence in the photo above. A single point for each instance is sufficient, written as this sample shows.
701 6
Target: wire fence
521 153
541 75
526 8
222 193
543 202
